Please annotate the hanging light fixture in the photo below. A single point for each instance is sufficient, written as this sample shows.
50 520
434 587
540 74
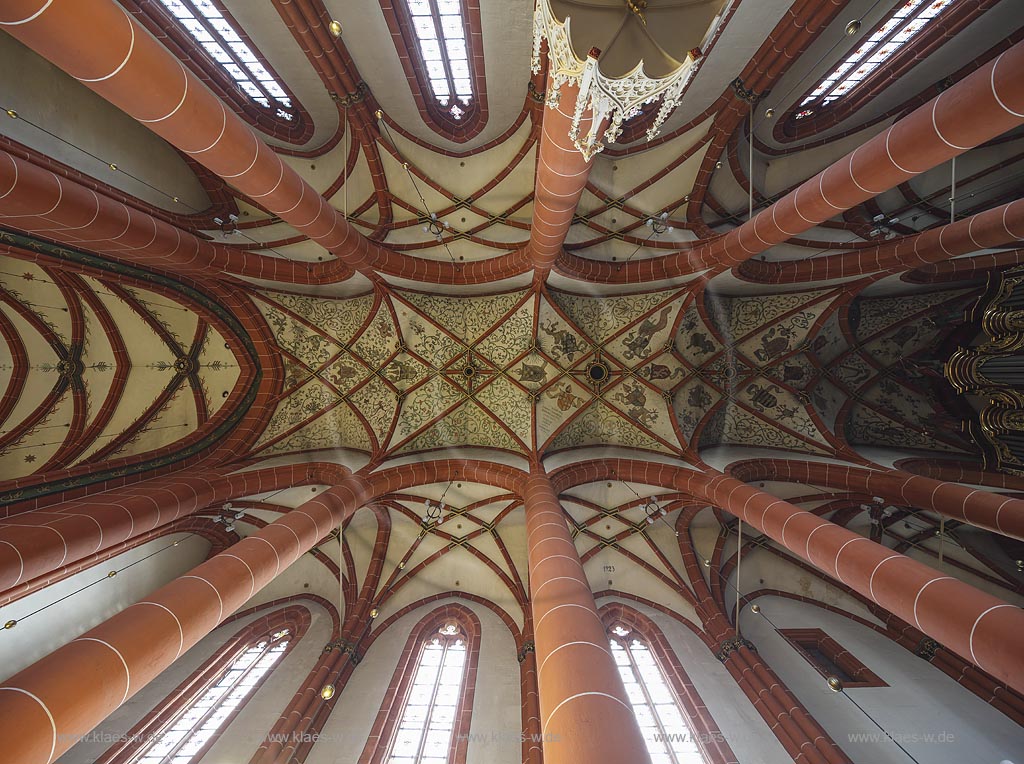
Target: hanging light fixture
659 225
653 511
435 227
435 509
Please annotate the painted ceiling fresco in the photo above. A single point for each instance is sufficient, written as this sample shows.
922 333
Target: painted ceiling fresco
95 368
397 372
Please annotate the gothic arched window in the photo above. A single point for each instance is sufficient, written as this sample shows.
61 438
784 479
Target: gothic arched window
195 724
902 26
439 44
667 734
425 713
212 44
183 728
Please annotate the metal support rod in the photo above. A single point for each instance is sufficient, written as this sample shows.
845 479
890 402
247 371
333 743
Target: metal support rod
739 554
348 145
952 190
942 537
750 166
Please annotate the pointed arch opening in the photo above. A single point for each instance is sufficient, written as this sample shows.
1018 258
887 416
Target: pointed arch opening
675 723
208 39
426 711
440 44
183 728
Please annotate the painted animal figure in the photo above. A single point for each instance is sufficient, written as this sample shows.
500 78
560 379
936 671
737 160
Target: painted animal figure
566 343
638 342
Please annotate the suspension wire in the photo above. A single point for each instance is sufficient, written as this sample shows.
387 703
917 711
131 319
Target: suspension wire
841 690
13 114
412 178
112 574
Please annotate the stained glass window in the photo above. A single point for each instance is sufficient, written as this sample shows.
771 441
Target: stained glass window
192 728
441 36
424 731
874 50
665 730
227 47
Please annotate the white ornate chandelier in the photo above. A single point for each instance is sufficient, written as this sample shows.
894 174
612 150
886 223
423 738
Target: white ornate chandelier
611 101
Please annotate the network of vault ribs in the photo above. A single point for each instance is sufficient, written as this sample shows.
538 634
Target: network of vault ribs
395 372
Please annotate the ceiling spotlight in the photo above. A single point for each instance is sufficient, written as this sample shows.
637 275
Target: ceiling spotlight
111 574
374 613
769 113
852 28
10 624
707 563
327 692
835 684
718 165
12 114
334 28
755 608
379 114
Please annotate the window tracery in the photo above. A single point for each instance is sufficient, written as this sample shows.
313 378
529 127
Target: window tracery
195 724
443 61
669 738
899 29
423 734
223 43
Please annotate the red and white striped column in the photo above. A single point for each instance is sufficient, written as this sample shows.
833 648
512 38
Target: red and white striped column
562 174
102 46
585 714
50 705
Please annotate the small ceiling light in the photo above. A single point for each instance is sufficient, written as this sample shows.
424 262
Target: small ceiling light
10 624
175 200
113 167
835 684
401 565
374 613
335 28
327 692
755 608
718 165
111 574
852 28
379 114
12 114
707 563
769 113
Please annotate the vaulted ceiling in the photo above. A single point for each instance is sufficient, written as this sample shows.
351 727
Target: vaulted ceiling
154 317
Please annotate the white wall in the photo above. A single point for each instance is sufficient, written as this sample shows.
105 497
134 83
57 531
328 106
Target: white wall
42 633
496 704
920 699
244 735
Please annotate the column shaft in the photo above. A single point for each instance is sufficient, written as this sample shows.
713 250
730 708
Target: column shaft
52 703
983 509
585 714
41 541
972 623
562 174
102 46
